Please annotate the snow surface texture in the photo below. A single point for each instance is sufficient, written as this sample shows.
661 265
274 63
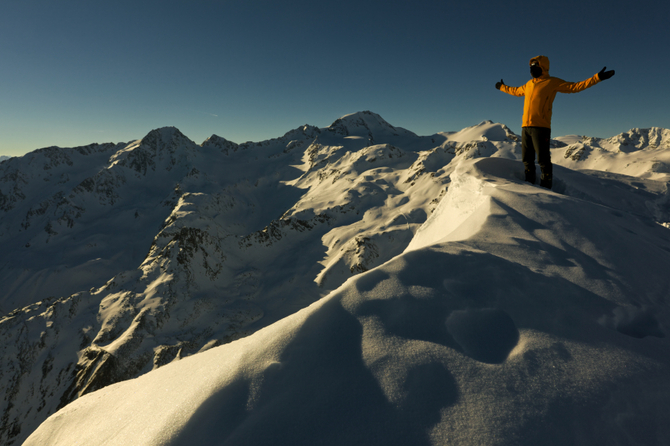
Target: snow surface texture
497 313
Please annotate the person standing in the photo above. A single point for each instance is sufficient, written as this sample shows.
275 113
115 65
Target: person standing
539 94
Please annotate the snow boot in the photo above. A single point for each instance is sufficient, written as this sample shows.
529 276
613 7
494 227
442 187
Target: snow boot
530 176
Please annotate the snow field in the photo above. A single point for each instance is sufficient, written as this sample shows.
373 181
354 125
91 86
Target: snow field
522 323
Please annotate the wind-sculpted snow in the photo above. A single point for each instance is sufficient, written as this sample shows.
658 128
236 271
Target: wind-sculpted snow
141 255
508 333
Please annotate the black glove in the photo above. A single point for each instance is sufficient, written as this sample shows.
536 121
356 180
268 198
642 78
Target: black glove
602 74
498 84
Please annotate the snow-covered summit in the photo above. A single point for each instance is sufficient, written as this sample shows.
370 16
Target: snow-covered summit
366 124
162 148
484 131
128 257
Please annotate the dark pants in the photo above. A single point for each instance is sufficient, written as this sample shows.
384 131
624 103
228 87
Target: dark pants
536 140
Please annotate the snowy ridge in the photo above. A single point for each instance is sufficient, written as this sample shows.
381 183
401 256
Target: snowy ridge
233 239
640 152
422 351
484 131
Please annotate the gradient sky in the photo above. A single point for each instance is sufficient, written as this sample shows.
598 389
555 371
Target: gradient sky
77 72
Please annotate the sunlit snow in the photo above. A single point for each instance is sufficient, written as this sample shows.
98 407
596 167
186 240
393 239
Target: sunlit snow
415 291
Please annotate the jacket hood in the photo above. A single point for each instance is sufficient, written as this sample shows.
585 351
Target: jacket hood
544 63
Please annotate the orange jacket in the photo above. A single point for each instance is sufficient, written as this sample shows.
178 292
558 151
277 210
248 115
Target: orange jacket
540 93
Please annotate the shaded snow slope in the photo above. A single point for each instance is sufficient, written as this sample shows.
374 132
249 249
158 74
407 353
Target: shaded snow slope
122 258
522 324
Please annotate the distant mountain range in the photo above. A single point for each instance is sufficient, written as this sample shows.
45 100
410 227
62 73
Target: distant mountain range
121 258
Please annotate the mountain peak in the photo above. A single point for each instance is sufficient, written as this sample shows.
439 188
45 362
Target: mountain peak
366 124
484 131
359 124
164 136
219 143
165 144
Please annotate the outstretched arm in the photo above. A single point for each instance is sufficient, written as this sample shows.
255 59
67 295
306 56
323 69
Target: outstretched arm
514 91
576 87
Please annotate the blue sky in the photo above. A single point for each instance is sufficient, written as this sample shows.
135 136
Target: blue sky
76 72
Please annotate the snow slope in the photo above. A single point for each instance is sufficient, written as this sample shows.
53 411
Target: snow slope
127 257
640 152
518 322
371 224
